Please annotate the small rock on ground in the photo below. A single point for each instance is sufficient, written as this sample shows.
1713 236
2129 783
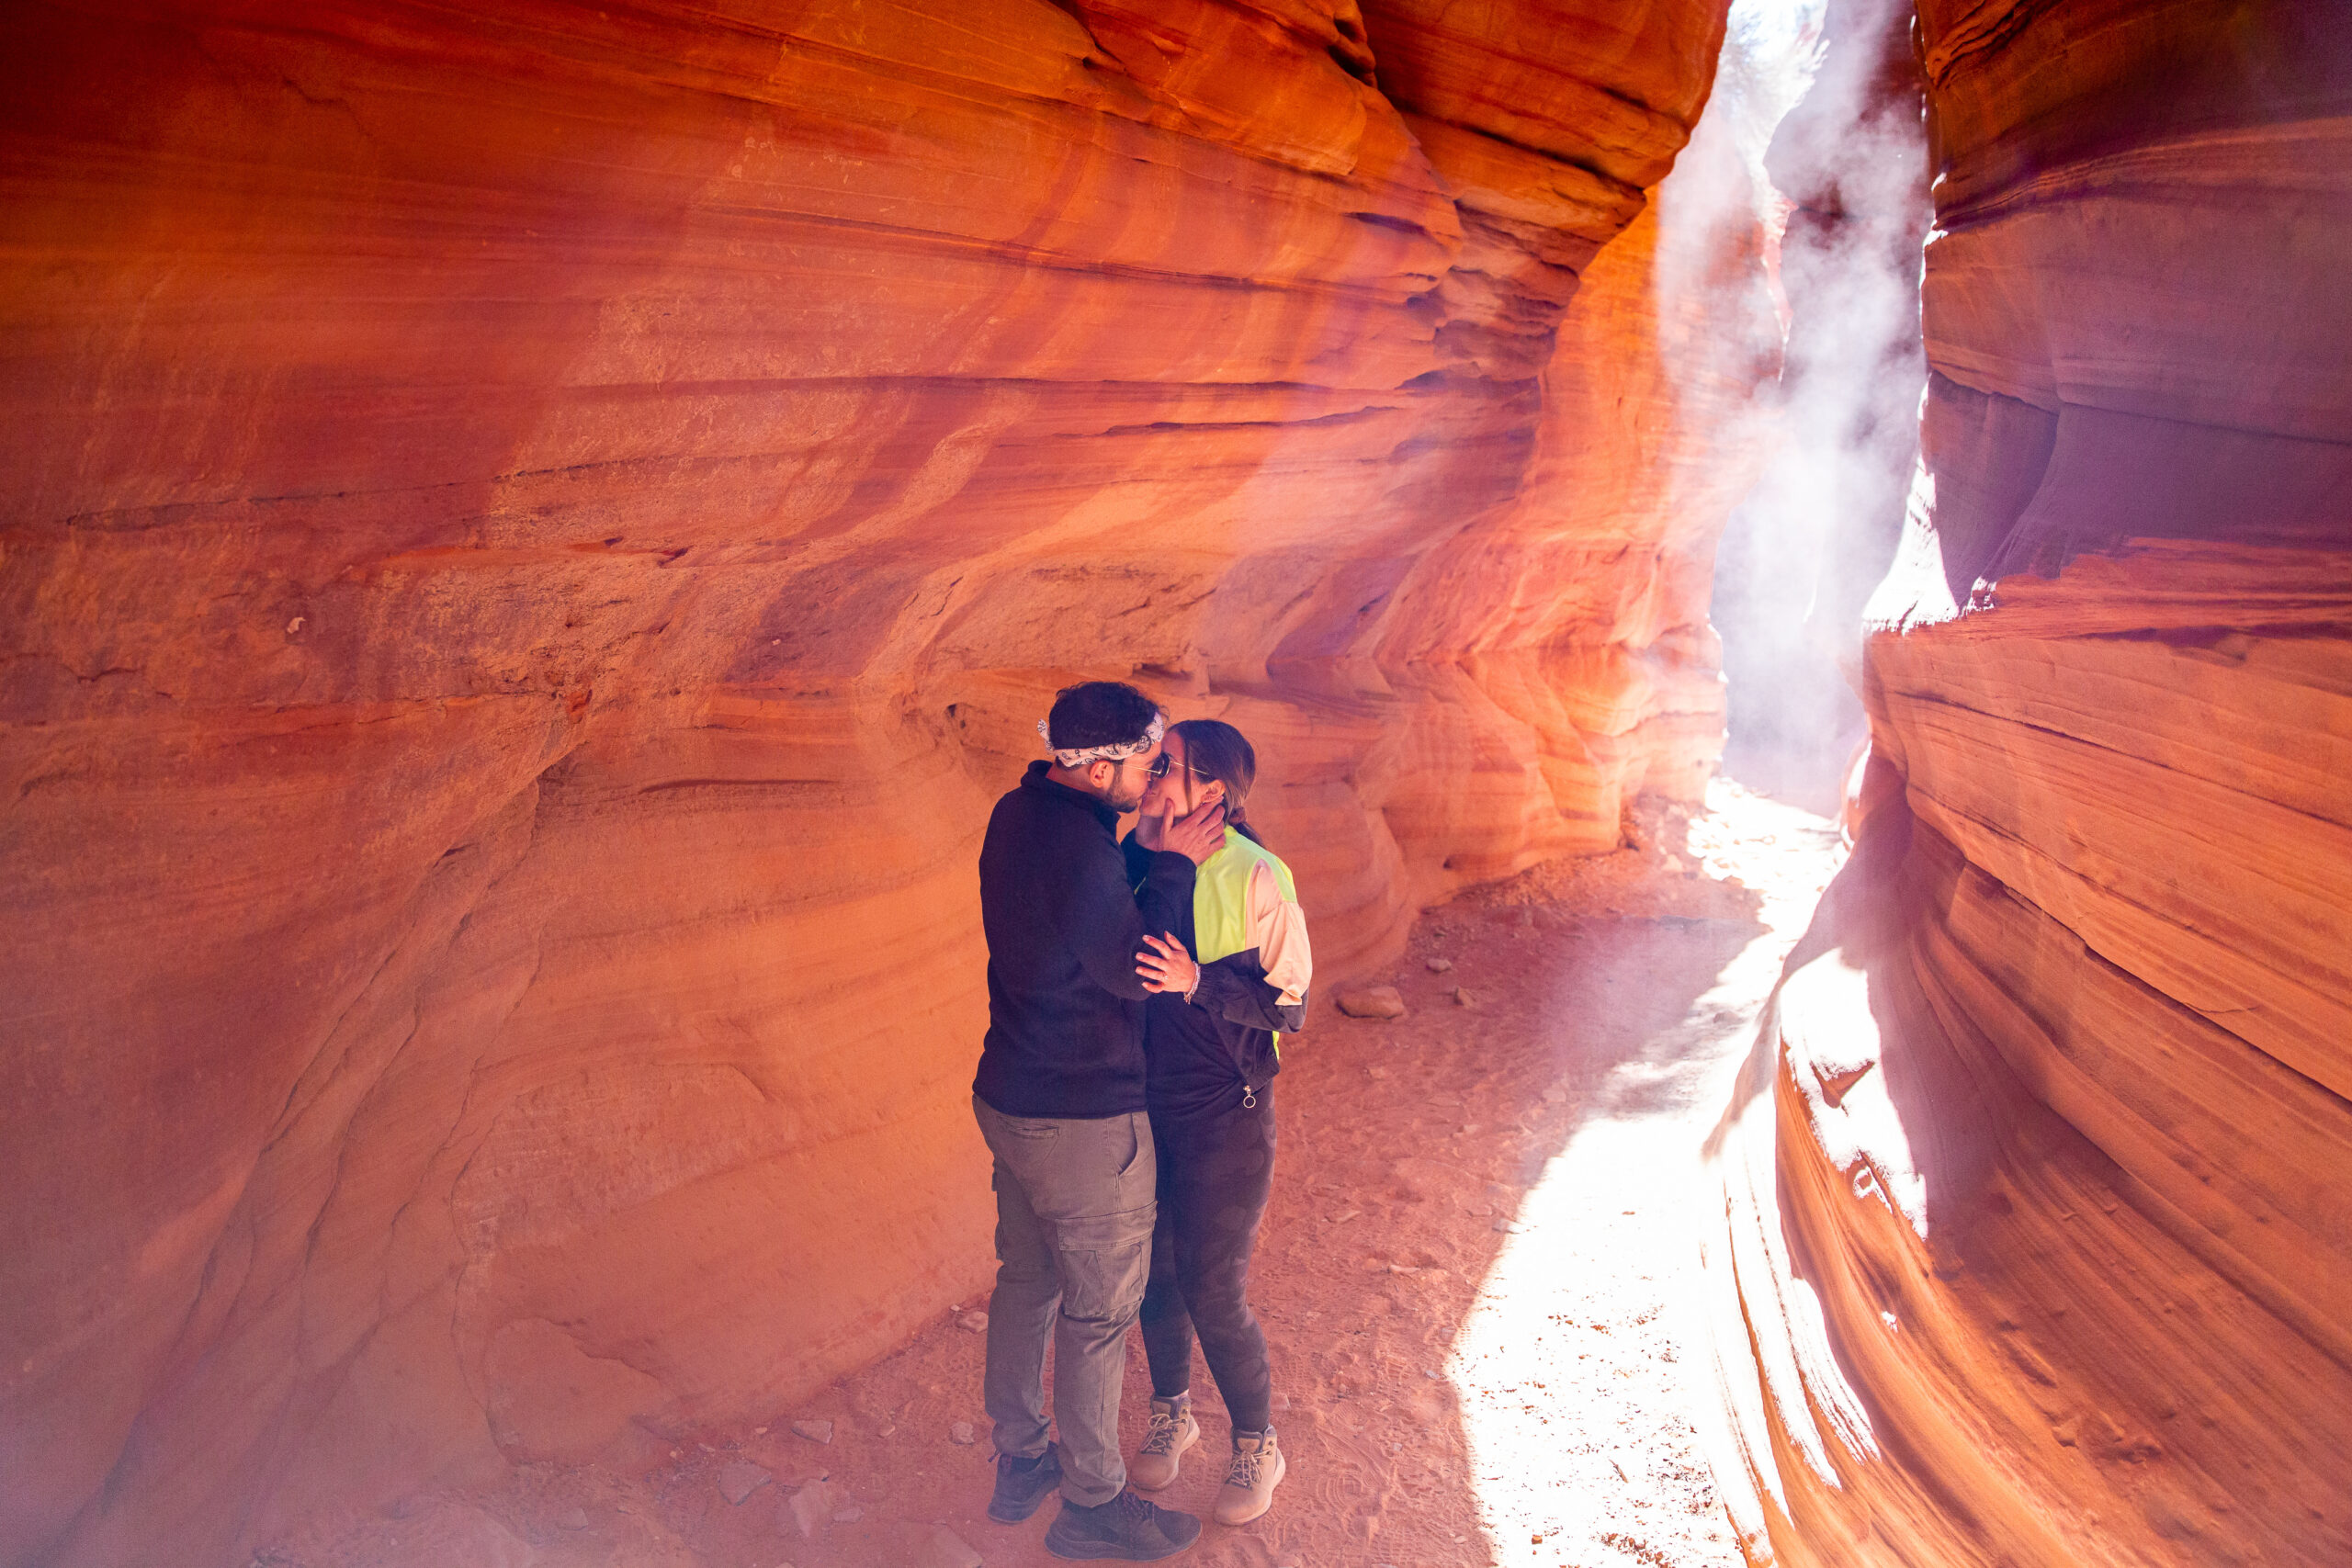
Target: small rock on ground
740 1479
961 1432
1372 1001
815 1431
1463 999
1440 965
811 1506
949 1549
973 1323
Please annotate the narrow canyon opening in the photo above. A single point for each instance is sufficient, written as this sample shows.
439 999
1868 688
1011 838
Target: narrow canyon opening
1785 561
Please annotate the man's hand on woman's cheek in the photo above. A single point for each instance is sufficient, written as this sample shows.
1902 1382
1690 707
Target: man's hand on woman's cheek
1196 836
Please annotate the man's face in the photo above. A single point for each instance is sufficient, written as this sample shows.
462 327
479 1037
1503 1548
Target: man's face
1123 783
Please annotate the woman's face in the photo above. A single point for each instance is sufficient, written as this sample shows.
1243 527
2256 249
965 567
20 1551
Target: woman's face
1178 792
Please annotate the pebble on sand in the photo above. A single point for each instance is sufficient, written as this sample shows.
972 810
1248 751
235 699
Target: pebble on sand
961 1432
973 1323
815 1431
1440 965
1372 1001
740 1479
1463 999
811 1506
949 1549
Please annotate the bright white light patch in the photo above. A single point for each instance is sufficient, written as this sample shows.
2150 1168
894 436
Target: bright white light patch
1571 1367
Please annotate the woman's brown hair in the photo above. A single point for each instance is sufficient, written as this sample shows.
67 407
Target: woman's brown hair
1215 749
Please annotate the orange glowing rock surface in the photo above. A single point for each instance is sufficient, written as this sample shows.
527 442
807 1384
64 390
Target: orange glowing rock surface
2039 1189
535 537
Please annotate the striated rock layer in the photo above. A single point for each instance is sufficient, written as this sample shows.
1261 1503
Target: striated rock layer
536 533
2039 1189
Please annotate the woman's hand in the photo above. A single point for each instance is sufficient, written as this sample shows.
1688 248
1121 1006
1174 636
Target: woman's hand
1168 969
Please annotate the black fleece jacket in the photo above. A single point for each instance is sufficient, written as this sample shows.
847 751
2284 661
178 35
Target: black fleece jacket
1064 924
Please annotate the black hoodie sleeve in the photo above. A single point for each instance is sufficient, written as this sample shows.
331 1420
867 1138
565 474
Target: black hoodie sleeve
1102 920
1163 894
1236 990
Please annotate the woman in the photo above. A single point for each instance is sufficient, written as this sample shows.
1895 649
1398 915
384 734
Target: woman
1211 1050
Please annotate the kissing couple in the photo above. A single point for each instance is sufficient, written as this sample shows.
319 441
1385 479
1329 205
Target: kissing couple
1137 990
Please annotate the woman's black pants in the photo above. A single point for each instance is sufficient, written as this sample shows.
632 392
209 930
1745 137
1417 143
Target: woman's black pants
1215 1173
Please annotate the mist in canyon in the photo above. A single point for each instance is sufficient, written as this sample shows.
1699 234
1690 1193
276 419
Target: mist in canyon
535 534
1801 553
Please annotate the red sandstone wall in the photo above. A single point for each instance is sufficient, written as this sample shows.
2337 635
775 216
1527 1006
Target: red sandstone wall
534 534
2039 1189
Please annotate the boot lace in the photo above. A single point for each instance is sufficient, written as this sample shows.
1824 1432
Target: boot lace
1160 1437
1250 1465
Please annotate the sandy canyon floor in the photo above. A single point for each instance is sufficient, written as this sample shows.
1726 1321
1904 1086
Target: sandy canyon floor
1469 1274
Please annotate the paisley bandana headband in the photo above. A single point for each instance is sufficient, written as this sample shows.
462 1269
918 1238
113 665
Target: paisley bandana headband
1081 756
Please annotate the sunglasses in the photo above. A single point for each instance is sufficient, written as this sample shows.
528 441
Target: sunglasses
1163 762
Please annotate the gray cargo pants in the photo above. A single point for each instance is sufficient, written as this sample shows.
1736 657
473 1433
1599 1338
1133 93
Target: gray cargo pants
1074 1213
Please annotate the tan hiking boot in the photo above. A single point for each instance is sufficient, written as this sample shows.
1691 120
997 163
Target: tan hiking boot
1173 1431
1248 1489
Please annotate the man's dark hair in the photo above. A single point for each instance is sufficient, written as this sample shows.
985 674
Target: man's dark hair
1099 712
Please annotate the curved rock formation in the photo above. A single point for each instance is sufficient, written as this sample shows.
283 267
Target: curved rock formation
536 533
2039 1189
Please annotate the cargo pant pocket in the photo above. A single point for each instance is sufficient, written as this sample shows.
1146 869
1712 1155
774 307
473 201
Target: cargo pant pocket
1105 1261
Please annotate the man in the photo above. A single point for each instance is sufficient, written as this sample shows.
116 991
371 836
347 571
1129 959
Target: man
1059 1097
